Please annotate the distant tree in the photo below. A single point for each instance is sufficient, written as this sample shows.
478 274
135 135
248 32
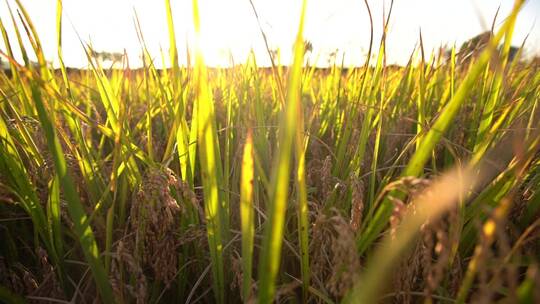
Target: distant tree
106 56
473 47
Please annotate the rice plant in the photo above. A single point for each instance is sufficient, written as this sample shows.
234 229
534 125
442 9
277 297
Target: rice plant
375 183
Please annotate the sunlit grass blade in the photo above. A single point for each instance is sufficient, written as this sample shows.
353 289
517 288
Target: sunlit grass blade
82 226
496 87
301 144
424 150
247 217
211 172
274 226
173 51
53 215
59 45
33 37
370 111
115 116
180 128
25 95
421 95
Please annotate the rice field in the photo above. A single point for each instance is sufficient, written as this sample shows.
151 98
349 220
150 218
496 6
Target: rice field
287 184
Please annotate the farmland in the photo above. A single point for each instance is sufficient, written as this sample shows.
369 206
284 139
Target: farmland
375 183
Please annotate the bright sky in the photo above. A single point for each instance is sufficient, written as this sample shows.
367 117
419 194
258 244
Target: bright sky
229 27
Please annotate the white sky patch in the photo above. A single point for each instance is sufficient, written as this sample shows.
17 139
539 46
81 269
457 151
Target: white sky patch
229 28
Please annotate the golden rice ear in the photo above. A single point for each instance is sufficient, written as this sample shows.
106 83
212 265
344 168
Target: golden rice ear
155 220
357 202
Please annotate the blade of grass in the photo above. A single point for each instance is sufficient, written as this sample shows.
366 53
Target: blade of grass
274 226
247 217
211 172
302 142
416 164
59 46
82 226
